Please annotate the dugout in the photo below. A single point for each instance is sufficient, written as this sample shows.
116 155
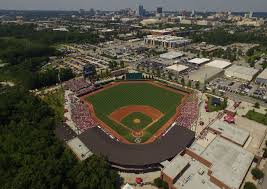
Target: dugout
134 76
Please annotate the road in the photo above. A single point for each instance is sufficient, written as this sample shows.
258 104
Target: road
238 97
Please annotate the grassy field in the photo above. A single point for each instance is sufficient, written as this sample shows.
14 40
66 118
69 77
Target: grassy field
105 102
256 116
129 121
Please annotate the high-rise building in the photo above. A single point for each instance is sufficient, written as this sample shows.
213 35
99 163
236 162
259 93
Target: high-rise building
92 12
81 11
251 14
193 13
141 10
159 10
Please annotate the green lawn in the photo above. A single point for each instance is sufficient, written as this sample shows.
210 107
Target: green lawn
256 116
105 102
144 121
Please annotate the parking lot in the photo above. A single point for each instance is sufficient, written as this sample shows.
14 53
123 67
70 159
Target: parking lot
238 87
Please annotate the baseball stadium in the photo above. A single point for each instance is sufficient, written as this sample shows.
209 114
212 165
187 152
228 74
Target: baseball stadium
135 124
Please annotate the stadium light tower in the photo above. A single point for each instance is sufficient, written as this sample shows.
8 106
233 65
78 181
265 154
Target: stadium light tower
58 75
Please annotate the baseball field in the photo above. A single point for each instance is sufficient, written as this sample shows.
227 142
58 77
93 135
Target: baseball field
135 110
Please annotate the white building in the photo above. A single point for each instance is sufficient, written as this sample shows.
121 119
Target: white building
222 64
167 41
241 72
171 55
262 78
206 74
177 68
198 61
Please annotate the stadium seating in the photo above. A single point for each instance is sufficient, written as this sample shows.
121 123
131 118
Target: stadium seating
80 114
76 85
188 112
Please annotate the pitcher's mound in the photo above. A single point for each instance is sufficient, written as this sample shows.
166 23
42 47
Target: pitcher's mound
136 121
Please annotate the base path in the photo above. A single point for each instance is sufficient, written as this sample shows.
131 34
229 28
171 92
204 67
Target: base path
120 113
167 125
104 125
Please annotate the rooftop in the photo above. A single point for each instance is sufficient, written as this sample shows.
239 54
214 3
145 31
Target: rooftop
79 148
196 176
241 72
205 73
166 38
176 166
231 132
230 162
177 67
171 55
169 145
199 61
263 74
219 64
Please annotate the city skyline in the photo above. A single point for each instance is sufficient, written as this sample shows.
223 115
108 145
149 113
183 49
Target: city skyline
199 5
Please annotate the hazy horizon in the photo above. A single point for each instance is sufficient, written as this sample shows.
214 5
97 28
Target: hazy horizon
199 5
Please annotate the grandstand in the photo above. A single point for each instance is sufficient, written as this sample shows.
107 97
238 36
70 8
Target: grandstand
78 113
79 86
188 112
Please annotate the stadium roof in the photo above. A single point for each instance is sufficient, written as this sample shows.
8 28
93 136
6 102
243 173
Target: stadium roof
134 155
171 55
263 74
177 67
199 61
230 162
231 132
219 64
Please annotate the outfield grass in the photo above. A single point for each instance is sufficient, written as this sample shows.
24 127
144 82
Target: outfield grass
256 116
144 121
105 102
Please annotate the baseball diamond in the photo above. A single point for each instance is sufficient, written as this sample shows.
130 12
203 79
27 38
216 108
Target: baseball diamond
135 109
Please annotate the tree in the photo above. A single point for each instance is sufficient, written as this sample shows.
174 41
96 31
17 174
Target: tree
138 67
158 73
36 158
182 81
170 76
257 173
89 172
257 105
197 85
158 182
250 185
189 83
122 64
264 155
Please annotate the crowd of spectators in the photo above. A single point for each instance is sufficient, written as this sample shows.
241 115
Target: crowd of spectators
80 114
76 85
188 112
79 86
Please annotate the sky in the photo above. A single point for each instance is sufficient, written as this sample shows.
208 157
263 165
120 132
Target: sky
201 5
